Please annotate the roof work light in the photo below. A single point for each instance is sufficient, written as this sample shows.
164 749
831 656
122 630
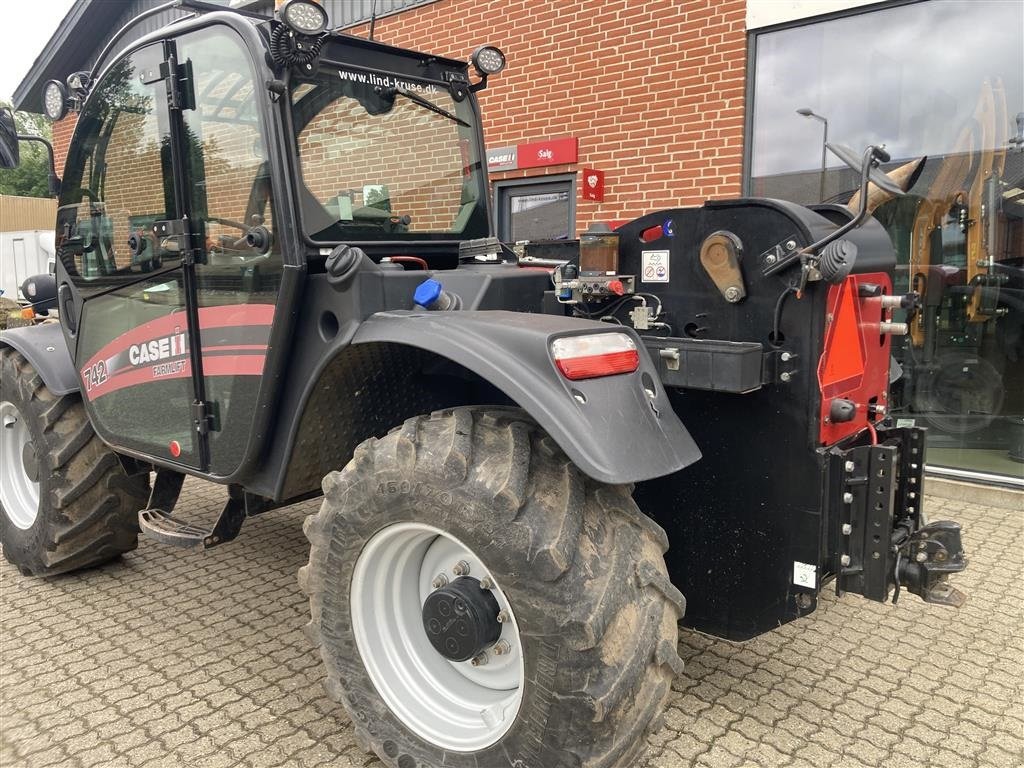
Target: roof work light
303 17
55 100
487 60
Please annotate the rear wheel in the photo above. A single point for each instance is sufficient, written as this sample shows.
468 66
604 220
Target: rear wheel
66 501
478 601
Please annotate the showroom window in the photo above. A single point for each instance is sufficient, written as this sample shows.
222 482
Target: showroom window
536 209
941 80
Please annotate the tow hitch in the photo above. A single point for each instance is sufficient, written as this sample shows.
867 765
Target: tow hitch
879 541
925 561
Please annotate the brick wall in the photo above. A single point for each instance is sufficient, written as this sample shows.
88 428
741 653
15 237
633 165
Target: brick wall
62 131
653 89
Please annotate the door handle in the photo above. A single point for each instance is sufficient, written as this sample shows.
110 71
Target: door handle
67 308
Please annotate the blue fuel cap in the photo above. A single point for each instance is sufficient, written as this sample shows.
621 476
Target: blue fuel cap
427 292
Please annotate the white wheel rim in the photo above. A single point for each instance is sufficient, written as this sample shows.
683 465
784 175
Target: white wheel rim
19 494
453 705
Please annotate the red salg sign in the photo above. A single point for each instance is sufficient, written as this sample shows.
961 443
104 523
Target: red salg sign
549 152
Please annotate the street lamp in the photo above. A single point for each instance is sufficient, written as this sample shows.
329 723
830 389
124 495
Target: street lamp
808 112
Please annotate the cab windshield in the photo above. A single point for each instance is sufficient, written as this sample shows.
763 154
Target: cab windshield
385 158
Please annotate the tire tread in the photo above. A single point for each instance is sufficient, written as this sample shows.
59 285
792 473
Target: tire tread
595 558
88 505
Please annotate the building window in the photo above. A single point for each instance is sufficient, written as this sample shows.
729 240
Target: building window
943 80
536 209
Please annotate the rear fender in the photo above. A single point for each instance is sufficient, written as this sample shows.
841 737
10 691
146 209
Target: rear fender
616 429
44 347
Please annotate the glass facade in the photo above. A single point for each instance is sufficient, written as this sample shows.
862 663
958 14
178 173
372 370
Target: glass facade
941 84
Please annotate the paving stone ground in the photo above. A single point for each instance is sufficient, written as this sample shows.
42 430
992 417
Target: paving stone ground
170 659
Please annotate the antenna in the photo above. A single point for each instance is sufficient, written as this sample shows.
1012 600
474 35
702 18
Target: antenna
373 17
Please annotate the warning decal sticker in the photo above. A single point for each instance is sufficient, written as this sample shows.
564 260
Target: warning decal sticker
804 574
654 267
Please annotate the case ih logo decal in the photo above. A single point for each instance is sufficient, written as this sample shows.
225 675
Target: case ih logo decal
159 349
234 341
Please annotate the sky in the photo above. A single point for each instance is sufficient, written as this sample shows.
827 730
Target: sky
907 76
27 26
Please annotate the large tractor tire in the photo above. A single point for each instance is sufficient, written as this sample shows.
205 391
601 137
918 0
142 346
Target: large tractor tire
479 603
66 501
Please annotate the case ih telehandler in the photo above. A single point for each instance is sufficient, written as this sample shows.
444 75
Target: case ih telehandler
277 272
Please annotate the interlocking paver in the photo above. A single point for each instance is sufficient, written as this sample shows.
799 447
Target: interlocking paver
168 659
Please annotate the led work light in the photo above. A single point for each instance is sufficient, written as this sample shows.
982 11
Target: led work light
55 100
487 60
304 17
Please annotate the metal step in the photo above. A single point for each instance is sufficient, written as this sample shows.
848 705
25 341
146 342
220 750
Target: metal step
159 525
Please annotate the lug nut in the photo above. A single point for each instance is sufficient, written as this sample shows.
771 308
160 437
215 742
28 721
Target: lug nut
502 647
844 560
481 660
921 557
847 498
850 466
439 581
847 529
461 568
486 583
503 616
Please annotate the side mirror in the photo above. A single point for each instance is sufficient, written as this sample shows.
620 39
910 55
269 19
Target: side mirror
9 154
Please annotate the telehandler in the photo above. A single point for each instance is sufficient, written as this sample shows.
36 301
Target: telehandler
277 272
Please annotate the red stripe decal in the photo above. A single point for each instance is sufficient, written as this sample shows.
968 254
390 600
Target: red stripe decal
158 350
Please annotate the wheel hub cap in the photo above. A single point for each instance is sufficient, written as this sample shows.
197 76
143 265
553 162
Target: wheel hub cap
461 619
30 462
406 577
19 468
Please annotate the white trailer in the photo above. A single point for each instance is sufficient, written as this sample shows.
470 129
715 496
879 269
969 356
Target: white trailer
23 254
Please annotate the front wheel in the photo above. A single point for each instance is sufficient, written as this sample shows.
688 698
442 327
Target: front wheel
65 501
478 602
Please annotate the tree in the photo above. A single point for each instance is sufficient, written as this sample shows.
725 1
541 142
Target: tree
31 177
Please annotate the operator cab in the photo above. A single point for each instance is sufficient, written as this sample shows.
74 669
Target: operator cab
216 162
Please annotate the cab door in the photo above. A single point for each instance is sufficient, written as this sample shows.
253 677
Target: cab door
171 270
122 286
230 200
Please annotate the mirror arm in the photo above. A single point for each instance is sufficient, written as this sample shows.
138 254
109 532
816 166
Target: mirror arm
54 178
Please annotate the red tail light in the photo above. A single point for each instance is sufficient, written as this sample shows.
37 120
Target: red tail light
594 355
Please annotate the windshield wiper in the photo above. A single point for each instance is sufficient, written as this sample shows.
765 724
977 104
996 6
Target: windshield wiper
426 104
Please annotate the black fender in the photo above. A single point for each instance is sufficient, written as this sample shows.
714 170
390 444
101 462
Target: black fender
616 429
44 347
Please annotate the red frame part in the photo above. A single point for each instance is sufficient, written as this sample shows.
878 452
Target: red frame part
854 363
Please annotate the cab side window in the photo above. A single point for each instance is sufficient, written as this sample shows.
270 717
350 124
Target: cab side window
229 169
117 181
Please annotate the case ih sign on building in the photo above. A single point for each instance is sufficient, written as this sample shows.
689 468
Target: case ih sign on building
536 154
